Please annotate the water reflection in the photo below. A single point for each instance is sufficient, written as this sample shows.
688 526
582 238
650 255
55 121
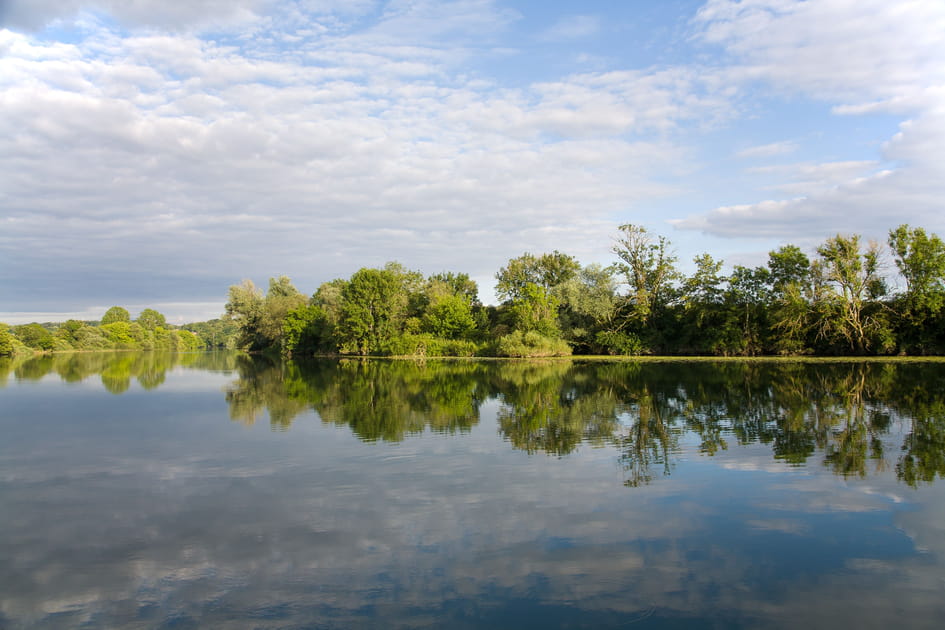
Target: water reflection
378 400
115 369
854 418
142 510
842 411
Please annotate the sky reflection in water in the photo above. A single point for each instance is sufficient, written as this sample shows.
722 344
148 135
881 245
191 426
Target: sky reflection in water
143 490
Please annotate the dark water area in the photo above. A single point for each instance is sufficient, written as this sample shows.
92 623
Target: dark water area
141 490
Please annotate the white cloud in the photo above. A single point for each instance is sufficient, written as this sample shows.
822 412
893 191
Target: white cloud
36 14
175 155
864 57
768 150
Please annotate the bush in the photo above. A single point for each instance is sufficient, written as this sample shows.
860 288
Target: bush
621 343
531 344
6 342
425 344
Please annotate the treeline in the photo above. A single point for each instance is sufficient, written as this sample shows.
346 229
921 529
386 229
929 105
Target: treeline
115 331
837 302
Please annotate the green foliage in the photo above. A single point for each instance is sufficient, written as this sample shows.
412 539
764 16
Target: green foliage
849 277
588 305
426 344
115 314
619 342
519 343
373 309
151 319
216 333
545 271
535 310
921 260
6 341
119 334
648 268
245 308
305 330
459 284
91 338
788 266
34 336
449 316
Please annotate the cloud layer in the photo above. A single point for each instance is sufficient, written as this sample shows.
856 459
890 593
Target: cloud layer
150 151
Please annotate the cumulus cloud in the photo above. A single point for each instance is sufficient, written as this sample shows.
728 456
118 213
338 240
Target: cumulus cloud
36 14
864 58
178 156
193 145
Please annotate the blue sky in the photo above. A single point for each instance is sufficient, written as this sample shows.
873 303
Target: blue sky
154 153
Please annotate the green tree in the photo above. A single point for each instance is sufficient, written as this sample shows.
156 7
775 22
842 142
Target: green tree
281 298
920 258
546 271
151 319
792 294
245 308
459 284
449 316
304 330
787 266
588 306
115 314
745 330
374 308
703 314
69 332
851 279
648 268
6 341
535 309
34 336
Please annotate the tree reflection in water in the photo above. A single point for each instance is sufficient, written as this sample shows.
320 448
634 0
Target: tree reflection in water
845 411
857 417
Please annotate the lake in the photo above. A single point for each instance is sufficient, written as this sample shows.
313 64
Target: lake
142 490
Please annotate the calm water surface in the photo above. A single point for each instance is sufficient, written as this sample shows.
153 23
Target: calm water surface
155 491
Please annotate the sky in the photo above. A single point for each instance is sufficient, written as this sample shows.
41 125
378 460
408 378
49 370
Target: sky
154 153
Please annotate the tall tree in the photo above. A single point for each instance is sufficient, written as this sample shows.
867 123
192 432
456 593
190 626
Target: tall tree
851 279
245 308
747 301
151 319
281 298
648 268
787 265
702 294
546 271
374 307
115 314
791 281
920 258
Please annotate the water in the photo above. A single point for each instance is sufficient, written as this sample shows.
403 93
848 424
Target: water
153 491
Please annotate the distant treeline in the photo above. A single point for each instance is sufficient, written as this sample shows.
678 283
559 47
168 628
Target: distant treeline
115 331
836 303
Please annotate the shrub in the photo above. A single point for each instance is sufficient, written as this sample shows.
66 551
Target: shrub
620 343
531 344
